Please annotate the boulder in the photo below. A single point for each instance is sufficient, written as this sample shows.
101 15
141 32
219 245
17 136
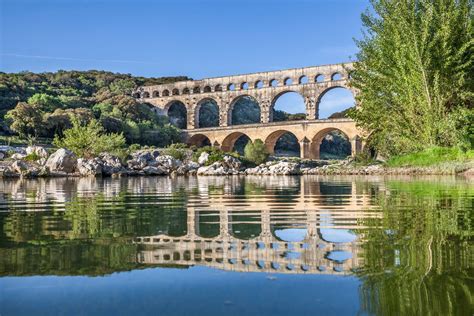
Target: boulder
19 166
203 158
89 167
62 160
37 150
154 171
168 162
232 163
110 164
18 156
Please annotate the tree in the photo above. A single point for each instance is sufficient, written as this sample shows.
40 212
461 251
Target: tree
256 152
415 71
25 120
44 102
90 140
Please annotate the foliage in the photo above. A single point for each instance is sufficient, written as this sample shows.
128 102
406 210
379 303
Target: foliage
32 157
256 152
89 140
431 156
44 104
414 73
177 151
279 116
335 146
245 111
215 154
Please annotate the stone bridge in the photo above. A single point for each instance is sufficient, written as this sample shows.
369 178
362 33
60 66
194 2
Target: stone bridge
264 88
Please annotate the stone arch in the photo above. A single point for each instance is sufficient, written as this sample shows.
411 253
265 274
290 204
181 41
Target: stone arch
156 94
137 95
196 90
273 138
339 85
146 94
303 79
258 84
231 87
252 117
273 83
336 76
218 88
177 113
166 93
244 85
175 91
199 140
199 123
244 226
186 91
288 81
275 99
319 136
319 78
207 89
229 141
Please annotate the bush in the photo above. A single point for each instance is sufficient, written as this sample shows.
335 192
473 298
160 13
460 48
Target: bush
177 151
90 140
215 154
256 152
32 157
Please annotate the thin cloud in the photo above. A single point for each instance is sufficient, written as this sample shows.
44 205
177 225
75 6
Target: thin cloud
79 59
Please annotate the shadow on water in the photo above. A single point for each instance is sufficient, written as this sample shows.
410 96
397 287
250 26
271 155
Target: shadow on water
408 242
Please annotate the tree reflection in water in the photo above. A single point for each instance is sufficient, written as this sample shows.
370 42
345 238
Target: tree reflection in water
409 242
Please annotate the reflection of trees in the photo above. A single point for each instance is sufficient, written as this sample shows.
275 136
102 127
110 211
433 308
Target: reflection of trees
420 263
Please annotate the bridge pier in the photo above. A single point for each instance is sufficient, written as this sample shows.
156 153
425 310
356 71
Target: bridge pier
305 148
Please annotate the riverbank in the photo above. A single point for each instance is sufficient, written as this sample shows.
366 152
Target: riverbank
36 161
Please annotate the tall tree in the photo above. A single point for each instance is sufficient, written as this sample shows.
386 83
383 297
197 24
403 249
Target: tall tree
415 73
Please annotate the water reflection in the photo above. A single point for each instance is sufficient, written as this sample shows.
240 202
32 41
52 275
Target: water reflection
405 239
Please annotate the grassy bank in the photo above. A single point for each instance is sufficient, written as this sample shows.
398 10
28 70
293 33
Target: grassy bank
430 157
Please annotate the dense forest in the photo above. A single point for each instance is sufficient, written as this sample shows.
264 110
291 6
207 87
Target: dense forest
44 104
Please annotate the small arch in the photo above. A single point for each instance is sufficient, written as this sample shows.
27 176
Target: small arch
175 91
230 141
258 84
146 94
196 90
136 95
199 140
156 94
336 76
283 143
303 80
273 83
207 89
231 87
288 81
319 78
186 91
218 88
244 85
166 93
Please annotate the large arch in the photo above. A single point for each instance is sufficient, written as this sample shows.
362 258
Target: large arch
288 105
319 137
199 140
206 113
230 140
272 140
335 101
177 114
244 109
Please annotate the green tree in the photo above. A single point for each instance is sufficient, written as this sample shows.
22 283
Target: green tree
415 71
25 119
89 140
256 152
44 102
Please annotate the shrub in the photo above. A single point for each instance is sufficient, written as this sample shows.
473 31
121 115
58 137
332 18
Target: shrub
90 140
32 157
215 154
431 156
256 152
177 151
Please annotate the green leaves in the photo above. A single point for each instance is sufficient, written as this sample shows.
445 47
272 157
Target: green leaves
256 152
415 67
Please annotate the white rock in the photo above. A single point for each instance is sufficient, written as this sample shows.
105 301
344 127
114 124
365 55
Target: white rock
62 160
38 150
203 158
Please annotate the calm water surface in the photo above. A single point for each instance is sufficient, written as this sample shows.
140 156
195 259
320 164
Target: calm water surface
237 246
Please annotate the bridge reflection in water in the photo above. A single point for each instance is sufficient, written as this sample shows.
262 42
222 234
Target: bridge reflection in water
302 233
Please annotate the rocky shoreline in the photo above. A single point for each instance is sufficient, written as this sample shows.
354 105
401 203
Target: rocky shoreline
35 161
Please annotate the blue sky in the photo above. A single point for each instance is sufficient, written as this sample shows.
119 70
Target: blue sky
200 38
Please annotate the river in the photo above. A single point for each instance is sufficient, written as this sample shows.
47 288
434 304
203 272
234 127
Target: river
309 245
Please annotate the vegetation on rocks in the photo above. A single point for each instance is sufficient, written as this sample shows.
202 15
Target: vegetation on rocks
256 152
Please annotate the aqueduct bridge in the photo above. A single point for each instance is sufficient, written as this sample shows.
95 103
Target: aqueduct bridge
265 88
